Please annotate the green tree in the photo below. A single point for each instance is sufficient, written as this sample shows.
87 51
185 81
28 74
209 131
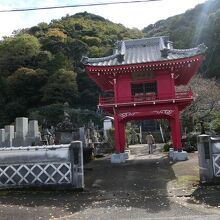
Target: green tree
88 91
51 114
43 60
75 49
195 26
54 40
58 61
27 84
215 122
61 87
38 30
15 108
18 51
206 93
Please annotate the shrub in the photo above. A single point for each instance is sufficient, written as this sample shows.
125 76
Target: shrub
111 137
166 147
190 145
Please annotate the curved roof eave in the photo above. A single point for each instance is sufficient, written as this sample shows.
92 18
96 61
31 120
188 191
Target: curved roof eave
146 50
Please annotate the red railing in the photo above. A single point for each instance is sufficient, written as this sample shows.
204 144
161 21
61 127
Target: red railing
184 94
149 97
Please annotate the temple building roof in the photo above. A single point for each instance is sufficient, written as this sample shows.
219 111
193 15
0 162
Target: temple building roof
144 50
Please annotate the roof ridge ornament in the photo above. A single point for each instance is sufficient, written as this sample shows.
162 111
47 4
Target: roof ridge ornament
164 47
165 52
84 60
121 54
202 48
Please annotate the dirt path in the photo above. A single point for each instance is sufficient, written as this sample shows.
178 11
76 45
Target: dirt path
136 189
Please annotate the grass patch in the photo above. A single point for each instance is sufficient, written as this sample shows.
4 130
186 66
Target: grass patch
4 192
187 181
35 190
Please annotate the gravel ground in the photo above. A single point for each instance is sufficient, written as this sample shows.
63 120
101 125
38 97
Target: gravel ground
145 187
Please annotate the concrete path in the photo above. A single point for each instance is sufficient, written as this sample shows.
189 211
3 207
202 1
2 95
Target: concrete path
138 189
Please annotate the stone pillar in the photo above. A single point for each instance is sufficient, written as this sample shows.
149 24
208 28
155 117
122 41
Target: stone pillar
82 136
9 135
21 132
76 159
2 137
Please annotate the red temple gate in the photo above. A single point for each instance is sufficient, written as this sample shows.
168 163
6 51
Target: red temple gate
142 75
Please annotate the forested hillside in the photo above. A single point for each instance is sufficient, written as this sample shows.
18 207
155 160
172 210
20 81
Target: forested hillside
199 25
40 67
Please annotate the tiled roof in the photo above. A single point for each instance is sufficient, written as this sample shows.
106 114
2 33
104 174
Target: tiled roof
143 51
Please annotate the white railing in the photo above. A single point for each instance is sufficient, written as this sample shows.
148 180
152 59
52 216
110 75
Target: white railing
42 165
216 164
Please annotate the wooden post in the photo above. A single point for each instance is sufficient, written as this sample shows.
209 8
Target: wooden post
176 131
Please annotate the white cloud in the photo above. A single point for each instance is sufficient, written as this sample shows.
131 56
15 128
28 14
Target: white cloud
131 15
9 22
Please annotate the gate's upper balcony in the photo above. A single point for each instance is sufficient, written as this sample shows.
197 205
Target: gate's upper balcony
146 99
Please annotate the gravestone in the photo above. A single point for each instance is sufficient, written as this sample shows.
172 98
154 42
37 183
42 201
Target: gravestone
33 137
21 132
107 124
2 137
9 135
64 131
26 134
33 129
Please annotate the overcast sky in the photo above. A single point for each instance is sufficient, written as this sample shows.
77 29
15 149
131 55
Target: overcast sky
137 15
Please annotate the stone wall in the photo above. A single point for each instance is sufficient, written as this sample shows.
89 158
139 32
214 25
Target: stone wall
58 165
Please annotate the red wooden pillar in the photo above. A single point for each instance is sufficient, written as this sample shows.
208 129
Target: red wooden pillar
173 85
176 131
115 91
120 138
117 136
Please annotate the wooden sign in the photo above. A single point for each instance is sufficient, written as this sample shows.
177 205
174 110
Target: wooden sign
142 75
